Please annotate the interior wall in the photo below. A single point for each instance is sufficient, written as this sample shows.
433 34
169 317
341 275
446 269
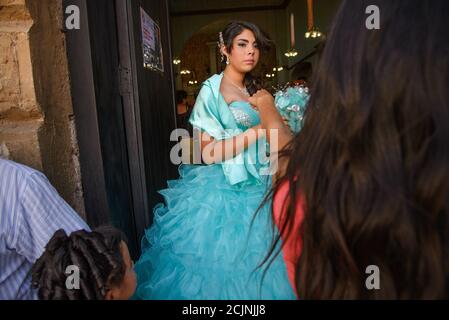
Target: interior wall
275 22
271 22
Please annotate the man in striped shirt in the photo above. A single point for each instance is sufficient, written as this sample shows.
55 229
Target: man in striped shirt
31 211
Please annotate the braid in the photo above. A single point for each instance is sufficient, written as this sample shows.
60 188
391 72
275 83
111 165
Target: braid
113 257
43 276
81 257
97 255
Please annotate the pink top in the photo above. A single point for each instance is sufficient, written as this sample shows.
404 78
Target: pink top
293 245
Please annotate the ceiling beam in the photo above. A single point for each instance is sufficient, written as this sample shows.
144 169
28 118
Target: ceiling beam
281 6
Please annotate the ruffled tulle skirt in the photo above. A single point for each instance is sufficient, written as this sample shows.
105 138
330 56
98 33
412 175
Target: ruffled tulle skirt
205 245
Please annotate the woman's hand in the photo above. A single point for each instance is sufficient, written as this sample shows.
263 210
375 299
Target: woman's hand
269 114
262 99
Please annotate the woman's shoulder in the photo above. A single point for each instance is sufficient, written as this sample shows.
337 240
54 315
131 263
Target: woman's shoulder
213 81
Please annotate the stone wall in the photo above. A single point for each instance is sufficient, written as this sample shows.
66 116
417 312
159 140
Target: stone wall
36 116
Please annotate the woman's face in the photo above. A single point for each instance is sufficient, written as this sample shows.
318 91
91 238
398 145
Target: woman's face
127 287
245 52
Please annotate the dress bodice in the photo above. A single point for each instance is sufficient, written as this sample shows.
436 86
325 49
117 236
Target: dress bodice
222 121
245 116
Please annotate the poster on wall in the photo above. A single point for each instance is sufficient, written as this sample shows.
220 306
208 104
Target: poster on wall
152 44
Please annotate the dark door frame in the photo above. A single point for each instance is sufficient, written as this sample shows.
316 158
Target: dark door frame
133 80
84 73
130 95
79 54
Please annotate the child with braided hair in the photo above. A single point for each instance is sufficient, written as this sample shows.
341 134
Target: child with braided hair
102 258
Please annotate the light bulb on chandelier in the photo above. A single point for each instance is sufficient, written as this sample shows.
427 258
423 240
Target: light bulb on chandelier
292 53
313 33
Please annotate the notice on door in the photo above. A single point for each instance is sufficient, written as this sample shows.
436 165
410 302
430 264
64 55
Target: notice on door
152 45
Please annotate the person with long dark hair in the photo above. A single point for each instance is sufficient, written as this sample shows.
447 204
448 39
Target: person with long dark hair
204 243
366 181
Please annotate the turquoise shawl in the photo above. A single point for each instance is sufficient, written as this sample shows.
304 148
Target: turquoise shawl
211 114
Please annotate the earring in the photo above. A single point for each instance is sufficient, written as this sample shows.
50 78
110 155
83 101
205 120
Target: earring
227 60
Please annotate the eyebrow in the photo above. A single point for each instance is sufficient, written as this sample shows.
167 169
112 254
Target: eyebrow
244 40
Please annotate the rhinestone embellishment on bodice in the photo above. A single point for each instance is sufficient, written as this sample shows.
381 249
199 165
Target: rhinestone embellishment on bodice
241 117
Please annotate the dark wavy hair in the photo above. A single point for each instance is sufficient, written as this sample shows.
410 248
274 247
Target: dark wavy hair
98 256
372 160
231 31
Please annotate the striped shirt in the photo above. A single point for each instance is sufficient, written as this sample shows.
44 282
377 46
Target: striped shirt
31 211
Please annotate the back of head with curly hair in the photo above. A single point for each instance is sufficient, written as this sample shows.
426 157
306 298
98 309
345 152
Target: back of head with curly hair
96 254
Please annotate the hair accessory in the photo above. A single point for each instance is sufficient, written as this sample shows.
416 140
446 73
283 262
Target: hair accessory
220 36
221 44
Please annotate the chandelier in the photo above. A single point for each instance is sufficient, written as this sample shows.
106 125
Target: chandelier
292 52
312 31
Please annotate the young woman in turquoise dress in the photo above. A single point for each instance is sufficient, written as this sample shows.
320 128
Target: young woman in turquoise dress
206 242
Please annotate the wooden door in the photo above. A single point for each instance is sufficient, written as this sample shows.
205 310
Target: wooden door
124 113
149 103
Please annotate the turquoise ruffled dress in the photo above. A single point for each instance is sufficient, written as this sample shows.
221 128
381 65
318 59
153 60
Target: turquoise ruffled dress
204 243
